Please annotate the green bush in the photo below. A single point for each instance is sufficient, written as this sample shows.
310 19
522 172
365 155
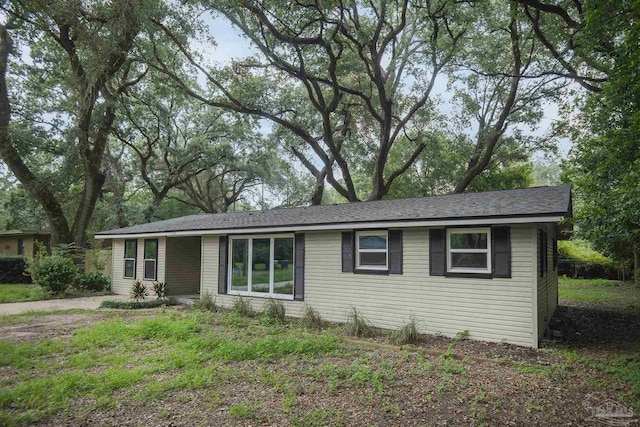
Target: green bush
95 282
581 250
133 305
54 273
577 259
12 270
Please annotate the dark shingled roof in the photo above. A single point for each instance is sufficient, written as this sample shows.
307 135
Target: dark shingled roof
538 201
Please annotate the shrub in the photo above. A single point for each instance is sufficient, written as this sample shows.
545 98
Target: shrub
133 305
408 334
139 290
160 290
207 302
274 311
95 282
577 259
243 307
13 269
54 273
96 257
311 318
357 325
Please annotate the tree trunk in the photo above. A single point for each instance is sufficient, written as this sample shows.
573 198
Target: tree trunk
157 199
92 187
37 189
318 190
378 187
475 167
119 190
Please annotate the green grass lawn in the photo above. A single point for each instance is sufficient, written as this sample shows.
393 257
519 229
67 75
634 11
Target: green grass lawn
225 369
595 290
21 292
181 352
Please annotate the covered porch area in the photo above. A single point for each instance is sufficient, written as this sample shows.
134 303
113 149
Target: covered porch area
183 267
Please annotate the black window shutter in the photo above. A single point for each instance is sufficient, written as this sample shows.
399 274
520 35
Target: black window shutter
555 253
222 265
395 251
436 251
546 251
542 251
348 248
298 278
501 252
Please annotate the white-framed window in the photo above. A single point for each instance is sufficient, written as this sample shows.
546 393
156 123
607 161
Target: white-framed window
261 265
372 250
150 259
469 250
130 255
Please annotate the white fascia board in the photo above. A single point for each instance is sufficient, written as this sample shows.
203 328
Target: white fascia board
344 226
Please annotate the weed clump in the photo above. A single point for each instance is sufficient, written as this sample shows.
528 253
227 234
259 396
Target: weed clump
274 311
242 306
311 319
462 335
408 334
207 302
357 325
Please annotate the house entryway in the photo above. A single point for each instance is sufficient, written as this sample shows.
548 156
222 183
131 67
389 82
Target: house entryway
182 270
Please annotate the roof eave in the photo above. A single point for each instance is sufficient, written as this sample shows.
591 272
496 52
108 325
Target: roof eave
513 219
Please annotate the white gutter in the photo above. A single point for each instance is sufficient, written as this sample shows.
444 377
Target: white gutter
344 226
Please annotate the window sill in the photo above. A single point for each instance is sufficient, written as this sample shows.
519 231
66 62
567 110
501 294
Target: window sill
384 272
260 295
469 275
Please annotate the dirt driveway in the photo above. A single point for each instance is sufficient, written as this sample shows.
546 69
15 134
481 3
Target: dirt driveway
86 303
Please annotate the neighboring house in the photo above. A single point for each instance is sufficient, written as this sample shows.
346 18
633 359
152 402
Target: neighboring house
479 262
21 242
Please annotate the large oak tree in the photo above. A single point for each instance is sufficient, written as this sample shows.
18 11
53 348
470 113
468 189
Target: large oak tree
60 85
366 72
349 85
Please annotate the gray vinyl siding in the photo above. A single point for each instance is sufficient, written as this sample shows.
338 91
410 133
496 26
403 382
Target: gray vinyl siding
119 284
547 284
490 309
183 265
